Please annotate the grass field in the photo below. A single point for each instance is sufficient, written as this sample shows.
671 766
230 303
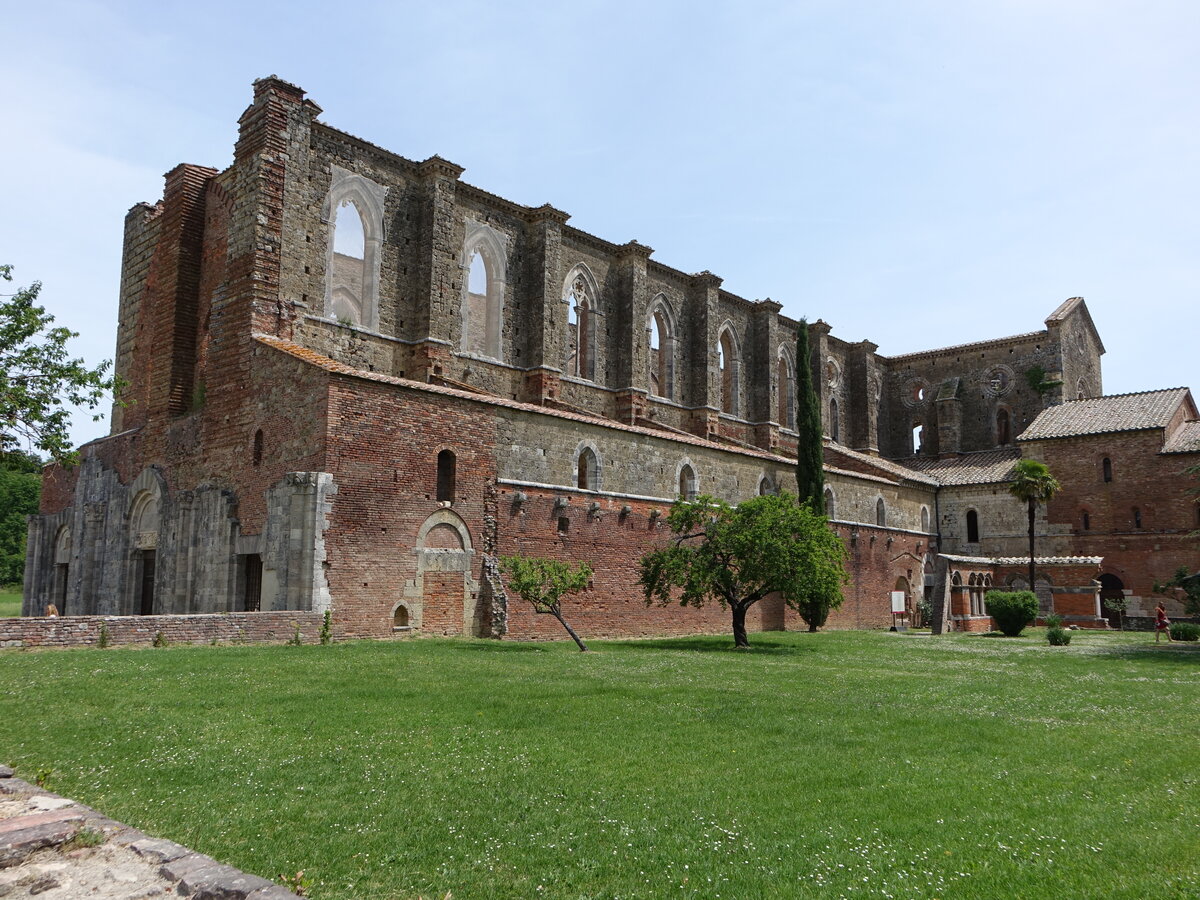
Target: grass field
839 764
10 602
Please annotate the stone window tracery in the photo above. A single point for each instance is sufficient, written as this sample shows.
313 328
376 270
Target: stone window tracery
354 211
786 385
484 262
661 342
729 365
580 294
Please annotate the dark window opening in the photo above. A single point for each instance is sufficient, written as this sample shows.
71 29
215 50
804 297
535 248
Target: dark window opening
400 618
564 524
446 467
258 447
1107 466
972 527
1087 522
1003 427
587 472
880 513
835 431
1137 518
252 585
60 587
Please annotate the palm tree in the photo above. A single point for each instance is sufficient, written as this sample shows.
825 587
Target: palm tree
1033 484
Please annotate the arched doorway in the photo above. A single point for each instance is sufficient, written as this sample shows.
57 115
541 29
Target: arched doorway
1111 587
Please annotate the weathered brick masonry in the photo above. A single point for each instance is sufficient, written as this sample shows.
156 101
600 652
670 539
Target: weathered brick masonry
356 381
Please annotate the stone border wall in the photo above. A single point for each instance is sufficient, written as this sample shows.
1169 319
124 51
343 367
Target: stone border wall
231 628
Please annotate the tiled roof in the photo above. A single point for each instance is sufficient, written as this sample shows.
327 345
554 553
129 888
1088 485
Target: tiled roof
883 465
1024 560
1103 415
1185 440
987 467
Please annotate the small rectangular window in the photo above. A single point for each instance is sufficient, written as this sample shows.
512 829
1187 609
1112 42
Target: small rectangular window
564 524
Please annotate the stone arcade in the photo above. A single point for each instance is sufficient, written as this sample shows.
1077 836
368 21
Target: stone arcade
355 380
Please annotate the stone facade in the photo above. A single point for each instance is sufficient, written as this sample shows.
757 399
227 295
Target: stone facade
355 380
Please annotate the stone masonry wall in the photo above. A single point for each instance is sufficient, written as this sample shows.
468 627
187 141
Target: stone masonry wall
235 628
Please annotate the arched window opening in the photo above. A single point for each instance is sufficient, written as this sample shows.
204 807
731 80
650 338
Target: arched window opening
918 434
482 306
258 447
1087 521
835 430
587 475
925 519
144 524
661 359
476 327
1137 517
972 527
830 504
400 618
880 513
1003 426
764 485
581 339
446 472
787 392
1106 465
687 483
727 360
477 279
349 260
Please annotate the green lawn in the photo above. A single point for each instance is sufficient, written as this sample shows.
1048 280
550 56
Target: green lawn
839 764
10 603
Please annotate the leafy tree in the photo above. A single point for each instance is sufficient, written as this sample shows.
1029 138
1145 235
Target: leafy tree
542 583
1120 605
1182 582
738 555
810 453
1033 484
20 491
38 377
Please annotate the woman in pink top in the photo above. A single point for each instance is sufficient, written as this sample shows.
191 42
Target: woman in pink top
1162 625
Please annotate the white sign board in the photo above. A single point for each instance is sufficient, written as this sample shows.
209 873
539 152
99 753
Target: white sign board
898 598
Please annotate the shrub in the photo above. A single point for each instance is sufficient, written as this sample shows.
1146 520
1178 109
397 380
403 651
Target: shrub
1012 610
103 640
160 639
1185 631
327 628
1058 637
297 639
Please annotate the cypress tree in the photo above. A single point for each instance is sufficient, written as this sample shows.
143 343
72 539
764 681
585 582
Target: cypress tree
810 455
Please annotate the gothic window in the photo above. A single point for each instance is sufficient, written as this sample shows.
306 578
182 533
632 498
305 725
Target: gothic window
1003 426
687 482
1106 466
835 430
1087 521
580 296
786 378
918 436
729 365
925 519
880 513
587 470
765 486
354 210
446 466
661 358
972 527
830 504
483 259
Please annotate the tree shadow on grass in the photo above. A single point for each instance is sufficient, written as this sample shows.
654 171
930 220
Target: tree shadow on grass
1178 653
715 644
484 646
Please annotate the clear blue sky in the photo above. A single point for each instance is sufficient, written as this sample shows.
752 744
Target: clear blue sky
920 174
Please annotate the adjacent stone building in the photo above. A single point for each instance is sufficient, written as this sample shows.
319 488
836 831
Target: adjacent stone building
356 380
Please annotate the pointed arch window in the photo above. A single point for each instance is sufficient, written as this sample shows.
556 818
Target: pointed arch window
925 519
484 261
729 366
830 504
918 438
687 482
972 527
1137 517
1003 426
835 430
786 380
580 296
1106 467
880 513
661 356
354 210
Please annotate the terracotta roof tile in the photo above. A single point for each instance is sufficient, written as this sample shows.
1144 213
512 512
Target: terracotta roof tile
986 467
1103 415
1185 440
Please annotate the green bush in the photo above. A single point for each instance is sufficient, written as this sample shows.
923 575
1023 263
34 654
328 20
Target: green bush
1185 631
1012 610
1058 637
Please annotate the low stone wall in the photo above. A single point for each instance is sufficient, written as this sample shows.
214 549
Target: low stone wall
1146 623
231 628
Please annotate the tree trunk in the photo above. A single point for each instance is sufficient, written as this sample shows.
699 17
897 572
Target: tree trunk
1032 564
739 626
812 628
570 630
